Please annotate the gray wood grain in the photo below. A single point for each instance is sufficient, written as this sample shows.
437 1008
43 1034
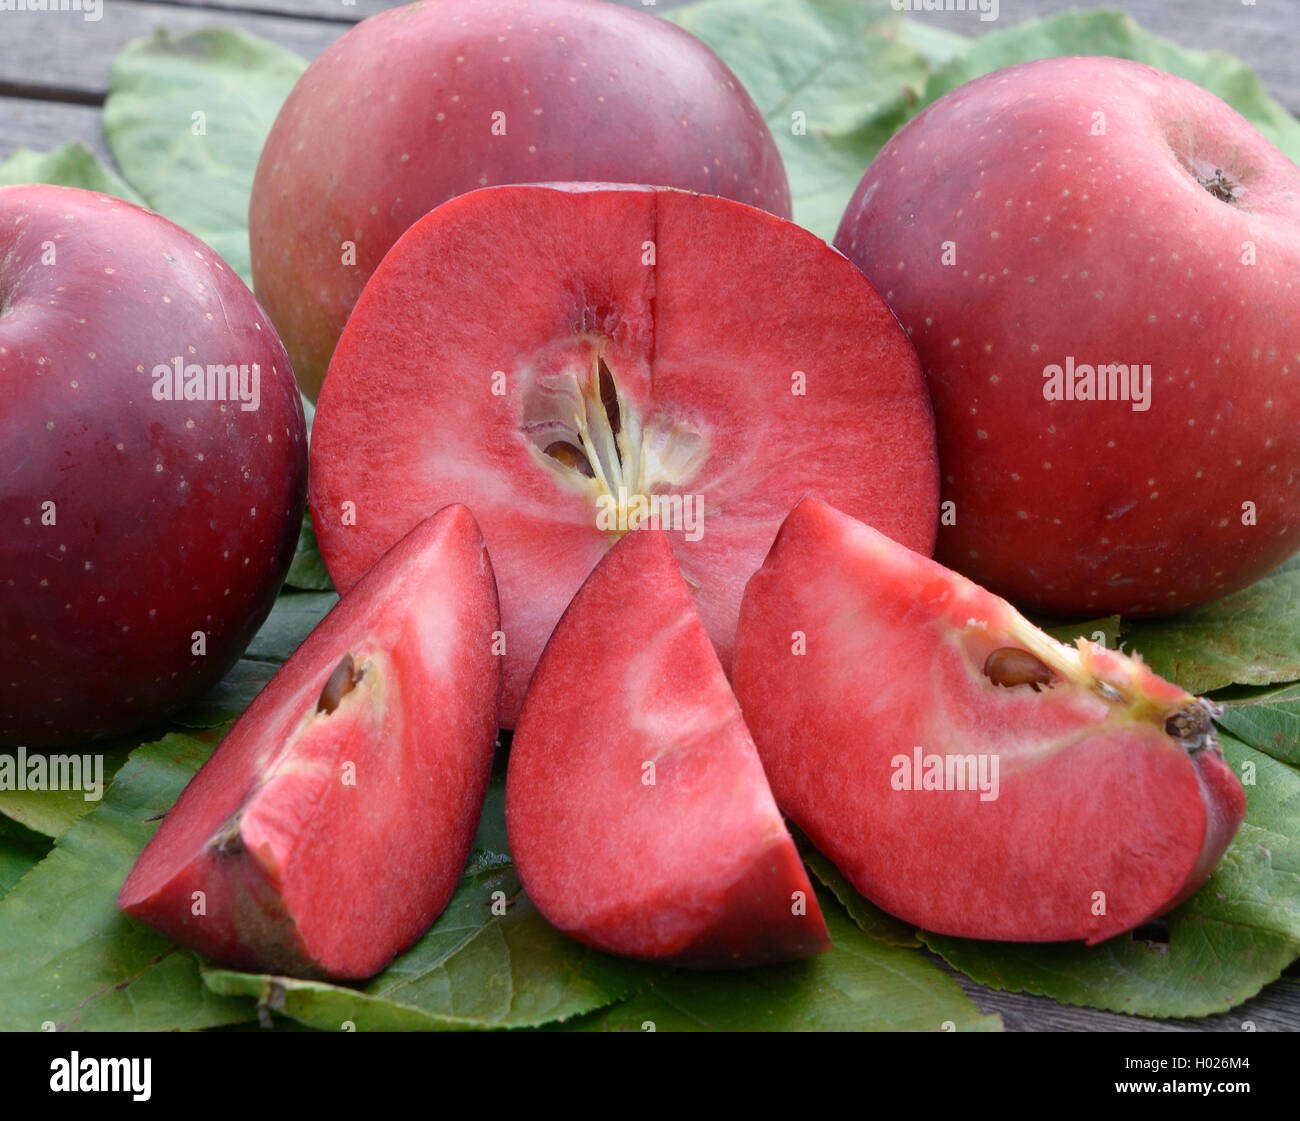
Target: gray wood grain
63 54
353 10
343 11
1276 1008
44 125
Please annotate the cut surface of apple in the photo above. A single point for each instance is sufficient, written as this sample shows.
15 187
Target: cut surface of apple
638 814
966 771
557 357
332 823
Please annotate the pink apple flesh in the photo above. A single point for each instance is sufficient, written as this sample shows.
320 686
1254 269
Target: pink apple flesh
554 355
637 810
1095 796
330 827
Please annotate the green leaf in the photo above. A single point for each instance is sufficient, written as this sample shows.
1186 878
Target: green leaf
68 956
1251 637
844 66
1258 880
473 969
1111 32
308 571
73 165
937 45
1105 631
21 849
198 171
230 696
1230 939
52 812
871 920
294 616
860 985
1269 721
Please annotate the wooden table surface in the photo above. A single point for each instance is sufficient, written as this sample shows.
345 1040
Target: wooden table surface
54 78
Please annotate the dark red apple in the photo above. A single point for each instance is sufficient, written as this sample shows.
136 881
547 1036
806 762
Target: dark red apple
1077 228
330 827
639 818
155 463
557 357
419 104
966 771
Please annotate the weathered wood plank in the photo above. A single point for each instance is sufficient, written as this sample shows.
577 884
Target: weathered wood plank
341 11
351 11
1277 1008
44 125
64 52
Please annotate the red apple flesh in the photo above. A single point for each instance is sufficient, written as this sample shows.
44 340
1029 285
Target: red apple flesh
1097 212
554 356
964 770
330 827
144 538
638 814
422 103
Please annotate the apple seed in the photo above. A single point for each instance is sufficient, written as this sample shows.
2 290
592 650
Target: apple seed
570 456
1009 665
341 682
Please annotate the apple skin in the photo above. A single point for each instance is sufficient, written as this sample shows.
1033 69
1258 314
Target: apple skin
397 117
326 837
170 517
1105 248
1109 782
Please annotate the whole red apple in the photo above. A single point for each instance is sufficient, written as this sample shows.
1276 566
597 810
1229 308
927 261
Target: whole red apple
1099 266
154 466
419 104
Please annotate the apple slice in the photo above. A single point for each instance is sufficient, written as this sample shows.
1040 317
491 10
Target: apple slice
638 814
557 356
964 770
331 825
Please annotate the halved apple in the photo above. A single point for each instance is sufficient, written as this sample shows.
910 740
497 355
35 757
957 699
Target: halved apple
638 814
964 770
558 357
330 827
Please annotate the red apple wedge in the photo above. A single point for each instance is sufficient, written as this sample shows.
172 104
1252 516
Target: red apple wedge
637 810
559 357
963 769
330 827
